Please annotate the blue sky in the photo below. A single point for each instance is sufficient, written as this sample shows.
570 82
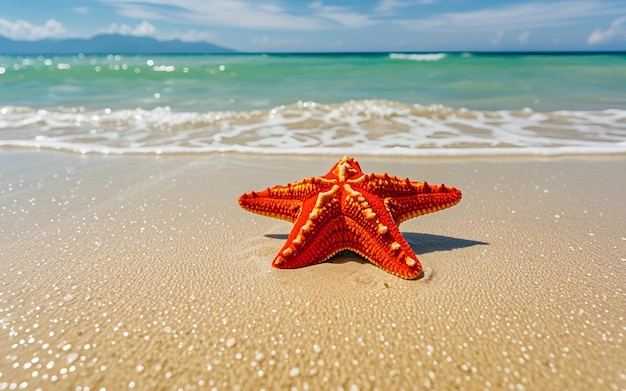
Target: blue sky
329 25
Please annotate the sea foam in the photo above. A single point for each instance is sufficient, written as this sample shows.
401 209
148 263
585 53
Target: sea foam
417 57
366 127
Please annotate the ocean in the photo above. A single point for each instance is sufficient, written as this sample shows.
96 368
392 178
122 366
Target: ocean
438 104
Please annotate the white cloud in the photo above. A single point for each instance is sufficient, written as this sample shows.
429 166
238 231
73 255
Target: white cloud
266 42
389 6
194 36
617 30
498 38
81 10
341 15
523 37
146 29
518 16
143 29
247 14
23 30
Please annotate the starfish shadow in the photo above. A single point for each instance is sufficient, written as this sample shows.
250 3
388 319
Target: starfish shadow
420 243
427 243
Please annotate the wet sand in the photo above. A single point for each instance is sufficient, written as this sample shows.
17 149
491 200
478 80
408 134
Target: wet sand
144 273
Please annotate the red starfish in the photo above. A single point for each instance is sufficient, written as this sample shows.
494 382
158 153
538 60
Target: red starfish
348 210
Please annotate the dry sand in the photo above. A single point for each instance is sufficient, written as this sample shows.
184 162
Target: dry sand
143 273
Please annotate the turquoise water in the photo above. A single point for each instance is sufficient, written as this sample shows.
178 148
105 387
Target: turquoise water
374 103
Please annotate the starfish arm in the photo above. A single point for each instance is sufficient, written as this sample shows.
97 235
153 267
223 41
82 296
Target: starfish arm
405 199
385 185
282 202
389 251
378 238
317 234
261 203
403 208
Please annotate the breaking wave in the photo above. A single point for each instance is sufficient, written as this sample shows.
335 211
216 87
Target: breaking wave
417 57
367 127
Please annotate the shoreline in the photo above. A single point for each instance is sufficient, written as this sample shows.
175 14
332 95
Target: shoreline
142 272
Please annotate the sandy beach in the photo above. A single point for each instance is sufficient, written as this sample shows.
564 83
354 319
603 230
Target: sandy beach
142 272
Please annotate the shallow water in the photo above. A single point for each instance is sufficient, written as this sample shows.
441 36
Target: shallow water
380 104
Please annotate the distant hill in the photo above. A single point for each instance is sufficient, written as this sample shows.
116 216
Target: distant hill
108 44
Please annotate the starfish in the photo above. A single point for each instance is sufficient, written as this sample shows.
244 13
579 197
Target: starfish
348 210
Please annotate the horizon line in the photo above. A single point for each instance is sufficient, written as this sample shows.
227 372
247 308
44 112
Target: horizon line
355 52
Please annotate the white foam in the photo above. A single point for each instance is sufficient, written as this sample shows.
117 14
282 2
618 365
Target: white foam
417 57
371 127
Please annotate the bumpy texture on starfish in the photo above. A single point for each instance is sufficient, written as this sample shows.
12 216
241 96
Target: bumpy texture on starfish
348 210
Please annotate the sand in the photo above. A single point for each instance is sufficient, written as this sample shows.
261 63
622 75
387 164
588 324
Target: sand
144 273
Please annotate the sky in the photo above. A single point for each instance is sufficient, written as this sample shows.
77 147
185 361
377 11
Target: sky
333 26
